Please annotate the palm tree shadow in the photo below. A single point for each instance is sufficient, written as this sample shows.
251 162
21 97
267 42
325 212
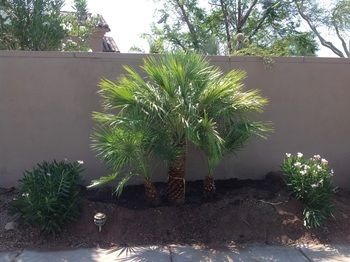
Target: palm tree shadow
137 254
193 253
328 253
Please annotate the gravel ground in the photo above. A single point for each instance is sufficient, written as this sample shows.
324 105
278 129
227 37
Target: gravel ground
243 212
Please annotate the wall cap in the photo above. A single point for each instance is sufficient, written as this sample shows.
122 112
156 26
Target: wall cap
130 56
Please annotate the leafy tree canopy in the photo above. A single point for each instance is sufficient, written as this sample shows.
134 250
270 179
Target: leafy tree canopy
212 28
40 25
334 18
31 24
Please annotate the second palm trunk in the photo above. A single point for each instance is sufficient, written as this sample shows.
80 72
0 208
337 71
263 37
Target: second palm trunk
176 178
151 192
209 186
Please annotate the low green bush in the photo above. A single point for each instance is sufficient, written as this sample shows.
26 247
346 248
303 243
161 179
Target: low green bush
49 195
311 182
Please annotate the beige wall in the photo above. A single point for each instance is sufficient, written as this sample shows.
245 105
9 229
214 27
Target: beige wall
46 100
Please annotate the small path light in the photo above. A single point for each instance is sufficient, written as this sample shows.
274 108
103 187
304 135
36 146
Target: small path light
100 220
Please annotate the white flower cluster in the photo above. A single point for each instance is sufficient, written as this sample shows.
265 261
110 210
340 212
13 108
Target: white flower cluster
71 42
3 14
316 162
67 26
297 164
317 157
318 184
5 17
299 155
46 13
324 161
304 170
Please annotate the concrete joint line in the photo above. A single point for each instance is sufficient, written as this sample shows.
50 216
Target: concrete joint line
170 253
18 253
303 253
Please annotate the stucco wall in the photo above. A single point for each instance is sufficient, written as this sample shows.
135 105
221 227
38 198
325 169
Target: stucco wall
46 100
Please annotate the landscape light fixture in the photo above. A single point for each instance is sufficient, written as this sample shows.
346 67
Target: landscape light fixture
100 220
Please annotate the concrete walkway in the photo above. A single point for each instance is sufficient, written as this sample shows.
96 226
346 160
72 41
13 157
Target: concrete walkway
176 253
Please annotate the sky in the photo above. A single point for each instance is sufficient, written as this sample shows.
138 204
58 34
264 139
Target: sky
128 19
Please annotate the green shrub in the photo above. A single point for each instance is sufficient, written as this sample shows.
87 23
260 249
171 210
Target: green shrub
49 195
311 182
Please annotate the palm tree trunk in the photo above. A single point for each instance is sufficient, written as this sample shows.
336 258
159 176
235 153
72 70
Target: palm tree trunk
151 192
176 178
209 186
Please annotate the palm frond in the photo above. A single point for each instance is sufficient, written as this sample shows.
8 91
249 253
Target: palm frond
102 181
208 139
116 95
118 147
119 190
238 134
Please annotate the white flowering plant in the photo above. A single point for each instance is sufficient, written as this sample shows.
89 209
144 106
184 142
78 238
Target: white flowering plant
79 27
41 25
78 32
310 180
31 25
49 195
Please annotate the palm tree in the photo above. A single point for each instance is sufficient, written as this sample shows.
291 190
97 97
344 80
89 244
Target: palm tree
225 122
126 149
182 100
233 140
179 79
205 107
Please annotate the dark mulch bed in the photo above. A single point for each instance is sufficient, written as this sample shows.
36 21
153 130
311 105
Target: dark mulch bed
243 211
